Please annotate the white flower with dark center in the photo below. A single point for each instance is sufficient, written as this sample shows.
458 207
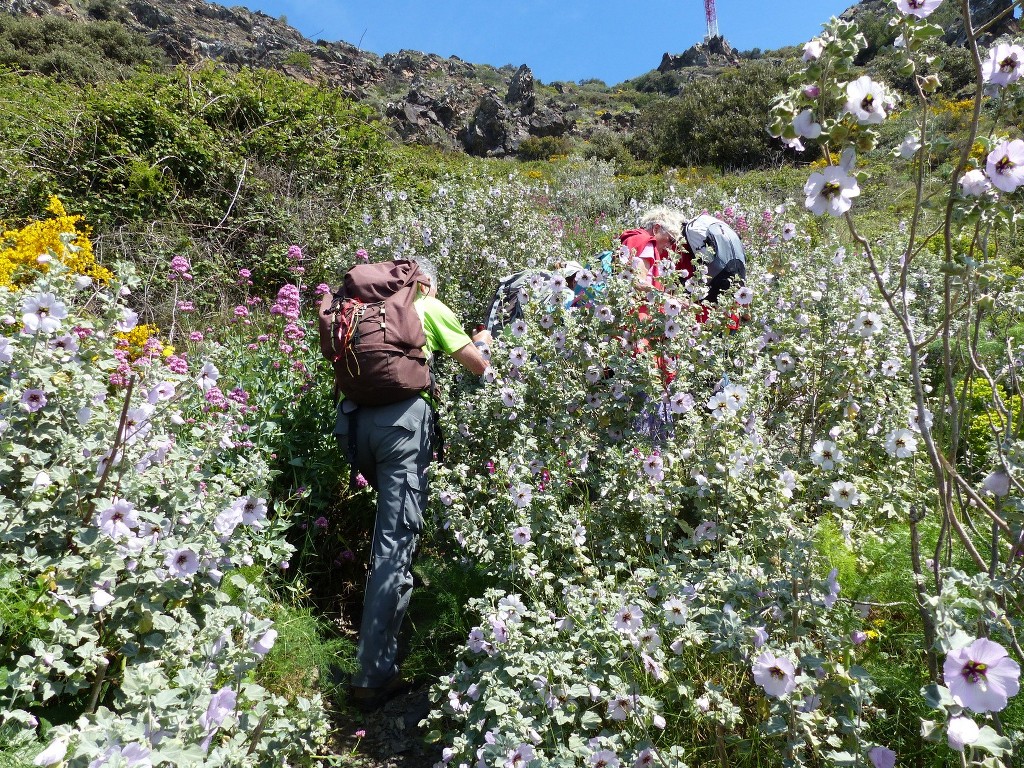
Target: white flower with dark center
593 374
844 494
681 402
675 611
521 535
546 321
605 314
744 296
891 367
654 466
788 231
672 328
865 100
620 707
831 190
805 126
1005 165
508 397
118 520
557 284
975 183
585 278
517 357
672 306
914 419
522 495
785 362
181 563
776 675
42 313
518 328
1003 64
919 8
901 443
719 406
629 619
735 396
867 324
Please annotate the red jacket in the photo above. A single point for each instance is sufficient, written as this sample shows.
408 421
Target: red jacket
637 240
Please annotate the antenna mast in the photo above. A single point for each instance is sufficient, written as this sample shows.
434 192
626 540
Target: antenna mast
712 17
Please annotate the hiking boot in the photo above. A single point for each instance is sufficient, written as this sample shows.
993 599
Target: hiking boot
371 699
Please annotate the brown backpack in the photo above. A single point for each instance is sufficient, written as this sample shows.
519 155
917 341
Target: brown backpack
373 335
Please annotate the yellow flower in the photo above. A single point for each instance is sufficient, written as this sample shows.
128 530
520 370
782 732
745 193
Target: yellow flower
26 252
137 338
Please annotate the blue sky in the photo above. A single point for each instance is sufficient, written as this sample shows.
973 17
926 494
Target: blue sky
567 40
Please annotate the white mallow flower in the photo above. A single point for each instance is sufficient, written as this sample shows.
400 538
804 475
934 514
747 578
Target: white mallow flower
962 730
813 50
844 494
865 100
42 313
975 183
1003 64
128 322
867 324
901 443
830 190
785 362
208 376
53 754
805 126
1005 165
744 296
6 350
909 147
826 455
919 8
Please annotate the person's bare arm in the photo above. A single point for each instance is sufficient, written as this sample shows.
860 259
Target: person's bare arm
469 357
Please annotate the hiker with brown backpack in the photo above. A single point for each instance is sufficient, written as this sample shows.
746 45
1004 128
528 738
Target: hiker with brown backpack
380 329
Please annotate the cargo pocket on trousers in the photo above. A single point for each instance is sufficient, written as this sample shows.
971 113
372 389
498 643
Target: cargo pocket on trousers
414 501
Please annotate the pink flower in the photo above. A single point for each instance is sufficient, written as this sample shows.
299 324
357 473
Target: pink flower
961 731
981 676
362 255
294 253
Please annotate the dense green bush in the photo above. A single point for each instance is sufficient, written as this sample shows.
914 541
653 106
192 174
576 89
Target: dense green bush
543 147
717 122
76 52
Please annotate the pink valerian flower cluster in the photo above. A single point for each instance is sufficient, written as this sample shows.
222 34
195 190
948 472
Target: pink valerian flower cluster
287 303
176 364
180 269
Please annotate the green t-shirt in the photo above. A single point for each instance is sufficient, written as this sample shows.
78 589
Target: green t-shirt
440 325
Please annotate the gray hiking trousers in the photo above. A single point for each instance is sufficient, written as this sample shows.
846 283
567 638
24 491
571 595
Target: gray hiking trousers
393 451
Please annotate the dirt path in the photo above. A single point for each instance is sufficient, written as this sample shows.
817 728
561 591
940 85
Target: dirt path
393 737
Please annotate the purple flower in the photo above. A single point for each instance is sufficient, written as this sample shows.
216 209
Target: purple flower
981 676
776 675
33 400
287 303
833 588
294 253
221 706
882 757
858 637
321 522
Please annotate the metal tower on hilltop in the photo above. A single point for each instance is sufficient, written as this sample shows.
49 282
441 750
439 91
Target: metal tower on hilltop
712 17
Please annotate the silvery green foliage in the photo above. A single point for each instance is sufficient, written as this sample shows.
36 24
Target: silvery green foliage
656 532
131 498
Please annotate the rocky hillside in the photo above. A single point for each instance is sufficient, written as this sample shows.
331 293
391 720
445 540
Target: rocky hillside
445 102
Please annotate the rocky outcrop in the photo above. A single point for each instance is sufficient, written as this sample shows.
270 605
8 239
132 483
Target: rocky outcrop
493 131
714 52
521 91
